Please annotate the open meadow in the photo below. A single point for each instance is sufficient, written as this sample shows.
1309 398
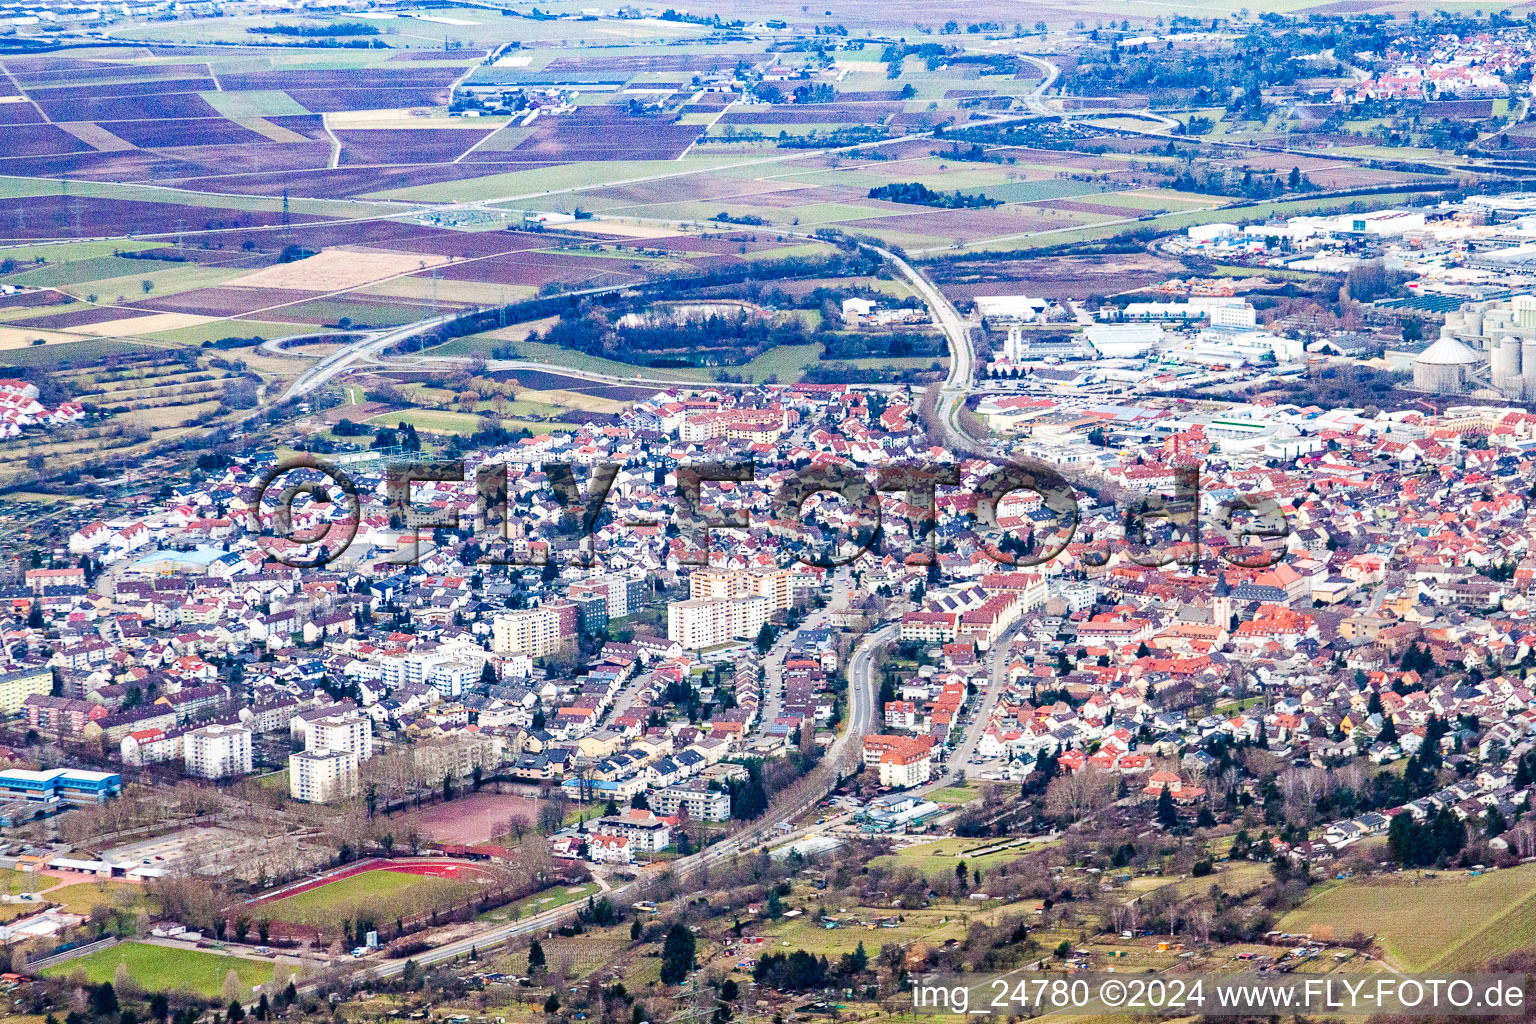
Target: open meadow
1428 920
159 968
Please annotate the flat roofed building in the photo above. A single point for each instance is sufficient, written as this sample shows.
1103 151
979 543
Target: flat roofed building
322 776
16 685
351 731
534 632
69 785
217 751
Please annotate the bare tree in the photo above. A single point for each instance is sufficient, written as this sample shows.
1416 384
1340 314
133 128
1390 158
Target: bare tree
1077 795
1525 838
1199 918
534 858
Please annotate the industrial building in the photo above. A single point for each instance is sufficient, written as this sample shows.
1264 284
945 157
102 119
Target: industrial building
1487 345
59 785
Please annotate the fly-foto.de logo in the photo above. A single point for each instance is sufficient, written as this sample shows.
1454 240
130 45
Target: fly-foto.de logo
307 512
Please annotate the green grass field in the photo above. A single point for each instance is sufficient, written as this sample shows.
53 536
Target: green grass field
942 857
1180 220
1452 921
13 883
539 902
786 362
376 314
59 252
253 103
79 899
21 188
165 969
57 272
546 179
328 904
217 329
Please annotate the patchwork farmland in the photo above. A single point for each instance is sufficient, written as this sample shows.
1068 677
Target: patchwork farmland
227 183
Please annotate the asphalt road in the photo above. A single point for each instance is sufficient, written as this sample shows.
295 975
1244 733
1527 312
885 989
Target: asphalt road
773 661
998 679
962 352
338 361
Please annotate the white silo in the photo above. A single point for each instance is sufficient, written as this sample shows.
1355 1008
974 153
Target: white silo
1528 367
1446 366
1506 366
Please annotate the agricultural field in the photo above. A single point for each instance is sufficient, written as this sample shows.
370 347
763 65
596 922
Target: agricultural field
784 362
463 424
195 189
1428 921
140 393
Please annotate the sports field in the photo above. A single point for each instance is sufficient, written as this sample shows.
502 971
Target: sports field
380 894
477 818
1424 920
166 969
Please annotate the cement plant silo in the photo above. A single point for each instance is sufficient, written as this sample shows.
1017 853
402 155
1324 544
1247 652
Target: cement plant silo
1446 365
1465 323
1506 366
1528 367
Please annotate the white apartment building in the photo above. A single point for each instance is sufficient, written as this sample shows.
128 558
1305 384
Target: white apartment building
624 591
352 732
903 769
773 584
534 632
707 622
1240 316
453 676
149 746
321 776
449 670
646 832
217 751
702 804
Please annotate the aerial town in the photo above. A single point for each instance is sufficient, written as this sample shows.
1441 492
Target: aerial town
563 514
